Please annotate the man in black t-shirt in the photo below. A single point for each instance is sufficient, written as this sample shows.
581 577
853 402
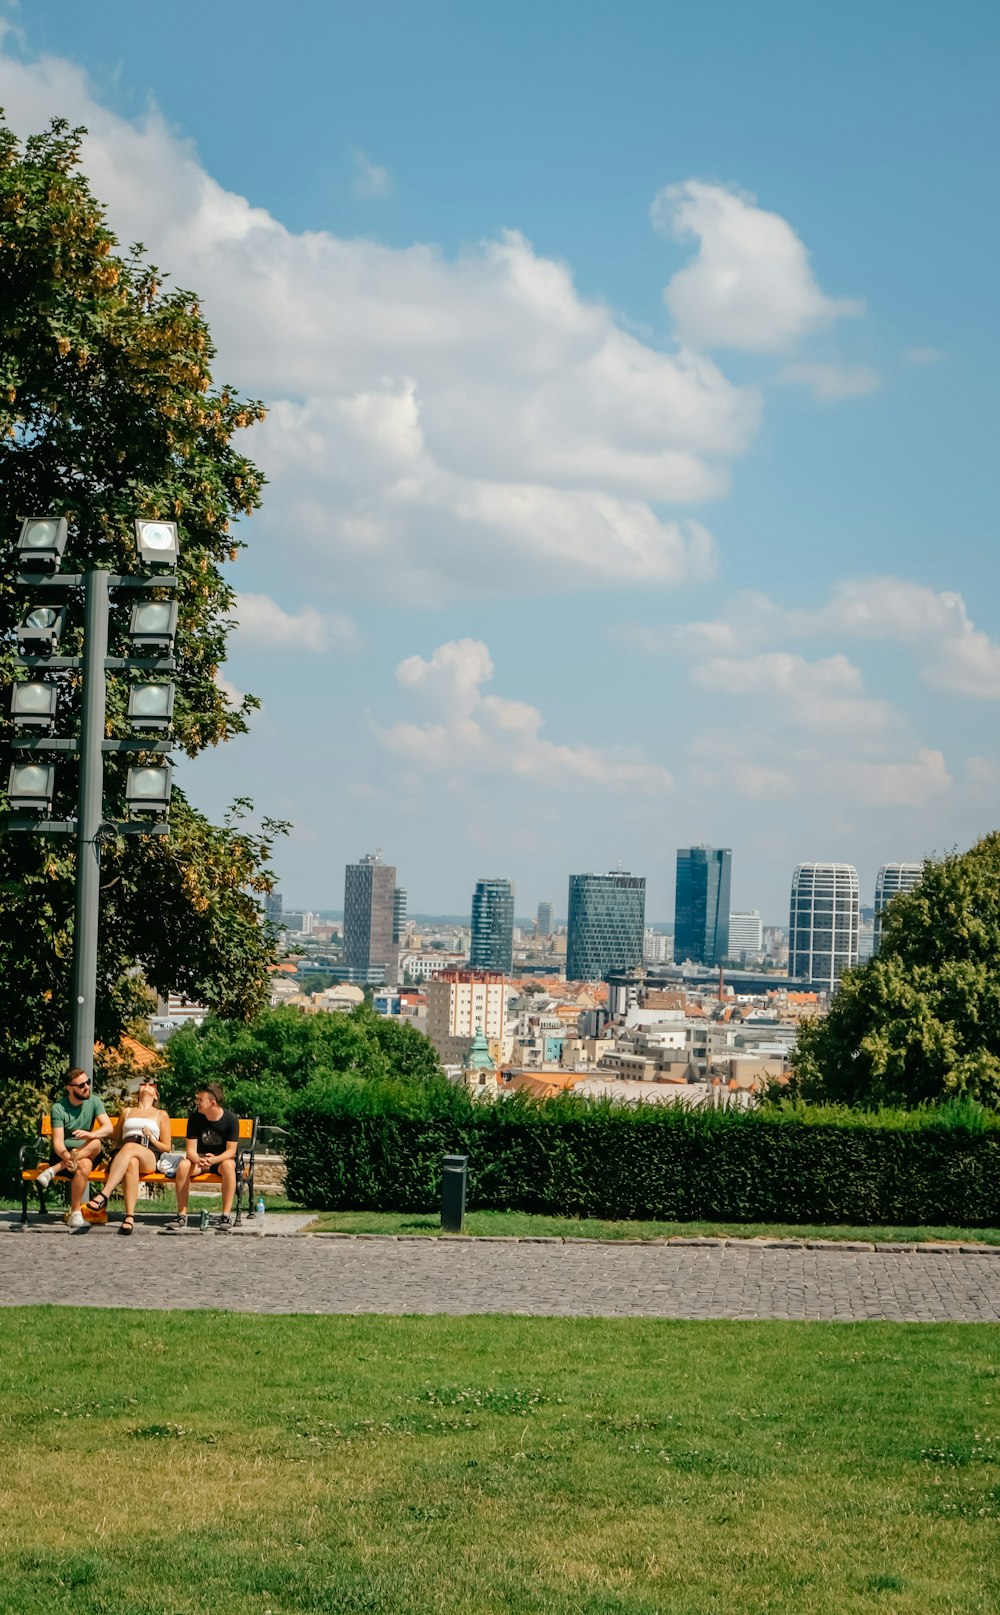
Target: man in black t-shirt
212 1138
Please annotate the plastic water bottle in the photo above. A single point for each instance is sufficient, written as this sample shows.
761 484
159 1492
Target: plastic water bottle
259 1210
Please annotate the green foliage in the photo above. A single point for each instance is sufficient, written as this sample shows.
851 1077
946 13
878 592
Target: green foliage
22 1105
920 1023
360 1062
108 412
662 1162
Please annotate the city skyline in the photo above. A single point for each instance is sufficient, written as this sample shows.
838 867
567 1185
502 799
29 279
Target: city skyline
644 506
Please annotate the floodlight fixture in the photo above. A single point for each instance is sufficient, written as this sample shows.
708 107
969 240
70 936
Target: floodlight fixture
157 543
30 787
40 630
154 624
41 543
147 789
33 704
150 706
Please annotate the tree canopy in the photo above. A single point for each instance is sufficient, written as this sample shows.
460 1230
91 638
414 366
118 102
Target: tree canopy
920 1022
108 412
265 1064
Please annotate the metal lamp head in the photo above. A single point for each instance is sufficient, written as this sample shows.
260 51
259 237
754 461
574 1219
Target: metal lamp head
30 787
41 543
151 706
157 543
40 630
147 788
33 704
154 625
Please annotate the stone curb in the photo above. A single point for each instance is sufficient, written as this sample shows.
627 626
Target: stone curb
925 1247
677 1241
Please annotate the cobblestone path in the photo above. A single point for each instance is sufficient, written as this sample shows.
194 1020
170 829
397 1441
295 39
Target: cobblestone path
326 1274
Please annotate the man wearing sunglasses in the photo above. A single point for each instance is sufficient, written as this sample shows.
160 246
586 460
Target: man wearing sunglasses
80 1124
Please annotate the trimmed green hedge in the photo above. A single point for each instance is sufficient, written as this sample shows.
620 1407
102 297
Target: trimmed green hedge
670 1164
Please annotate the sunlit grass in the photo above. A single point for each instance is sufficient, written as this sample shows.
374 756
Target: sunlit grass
176 1463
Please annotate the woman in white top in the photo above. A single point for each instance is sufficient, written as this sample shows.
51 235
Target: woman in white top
141 1135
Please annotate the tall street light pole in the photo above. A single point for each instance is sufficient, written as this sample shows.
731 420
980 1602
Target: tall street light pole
31 785
89 819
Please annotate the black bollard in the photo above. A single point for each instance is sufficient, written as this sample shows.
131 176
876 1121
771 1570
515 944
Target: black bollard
454 1172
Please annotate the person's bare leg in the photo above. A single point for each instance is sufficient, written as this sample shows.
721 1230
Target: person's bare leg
182 1183
227 1172
120 1163
130 1188
83 1165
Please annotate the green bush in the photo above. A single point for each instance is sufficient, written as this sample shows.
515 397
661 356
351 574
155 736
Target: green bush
669 1163
23 1104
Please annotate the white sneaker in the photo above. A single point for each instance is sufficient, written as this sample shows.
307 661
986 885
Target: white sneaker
75 1219
44 1179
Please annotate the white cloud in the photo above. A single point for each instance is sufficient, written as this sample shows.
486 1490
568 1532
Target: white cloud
956 656
437 427
460 732
371 181
923 356
830 382
264 625
751 285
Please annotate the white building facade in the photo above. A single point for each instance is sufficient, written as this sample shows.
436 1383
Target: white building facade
890 880
824 923
459 1002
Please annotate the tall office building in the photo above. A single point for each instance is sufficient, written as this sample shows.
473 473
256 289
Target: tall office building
746 934
543 924
273 909
492 944
371 955
399 914
892 878
607 917
823 923
701 905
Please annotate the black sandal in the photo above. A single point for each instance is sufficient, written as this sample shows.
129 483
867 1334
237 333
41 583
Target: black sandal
127 1224
99 1203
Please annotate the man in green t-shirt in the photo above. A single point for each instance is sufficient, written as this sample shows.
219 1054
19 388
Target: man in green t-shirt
80 1124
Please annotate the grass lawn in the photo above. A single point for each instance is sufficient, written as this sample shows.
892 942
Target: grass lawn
519 1222
180 1463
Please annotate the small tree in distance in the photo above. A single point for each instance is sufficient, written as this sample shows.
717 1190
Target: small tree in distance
920 1022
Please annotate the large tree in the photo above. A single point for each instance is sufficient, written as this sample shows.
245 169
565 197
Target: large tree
919 1023
108 411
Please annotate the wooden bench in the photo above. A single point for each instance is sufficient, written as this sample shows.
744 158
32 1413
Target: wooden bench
40 1151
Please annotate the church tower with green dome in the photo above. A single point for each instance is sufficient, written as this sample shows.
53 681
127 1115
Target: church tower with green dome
479 1068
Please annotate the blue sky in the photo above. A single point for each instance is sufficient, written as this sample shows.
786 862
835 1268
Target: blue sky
633 384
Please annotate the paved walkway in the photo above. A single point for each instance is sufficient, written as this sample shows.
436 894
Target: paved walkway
327 1274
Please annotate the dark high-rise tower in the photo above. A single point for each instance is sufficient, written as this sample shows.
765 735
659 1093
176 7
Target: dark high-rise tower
492 945
371 955
606 920
701 905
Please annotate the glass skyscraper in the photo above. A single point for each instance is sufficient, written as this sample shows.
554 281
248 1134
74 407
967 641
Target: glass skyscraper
492 946
701 905
371 953
823 923
892 878
607 918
